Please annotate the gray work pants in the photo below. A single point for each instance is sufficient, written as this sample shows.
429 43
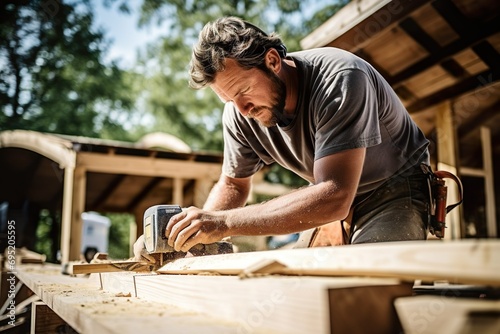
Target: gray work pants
397 210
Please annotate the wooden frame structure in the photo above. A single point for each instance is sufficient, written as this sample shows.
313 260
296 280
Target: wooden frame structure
77 174
442 58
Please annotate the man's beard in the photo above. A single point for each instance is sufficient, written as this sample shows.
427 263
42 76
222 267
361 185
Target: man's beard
277 105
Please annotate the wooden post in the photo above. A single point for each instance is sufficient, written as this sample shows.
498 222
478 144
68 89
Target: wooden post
133 236
79 185
447 160
373 304
44 320
178 192
489 184
66 213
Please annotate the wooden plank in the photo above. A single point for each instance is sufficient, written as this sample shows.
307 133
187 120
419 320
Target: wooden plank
106 267
269 303
352 26
457 261
447 145
77 208
66 213
448 314
366 309
178 191
44 320
147 166
489 182
89 309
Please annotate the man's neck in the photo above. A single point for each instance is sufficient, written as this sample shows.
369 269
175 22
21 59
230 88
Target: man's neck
290 78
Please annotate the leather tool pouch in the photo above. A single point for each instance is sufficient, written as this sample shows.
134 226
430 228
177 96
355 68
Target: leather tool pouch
438 196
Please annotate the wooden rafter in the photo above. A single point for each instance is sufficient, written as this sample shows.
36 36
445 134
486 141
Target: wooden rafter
132 165
453 16
490 28
413 29
483 78
478 121
110 189
143 193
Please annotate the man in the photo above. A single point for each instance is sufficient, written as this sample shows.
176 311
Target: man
325 114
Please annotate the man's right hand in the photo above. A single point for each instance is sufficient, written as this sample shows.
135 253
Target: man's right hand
140 253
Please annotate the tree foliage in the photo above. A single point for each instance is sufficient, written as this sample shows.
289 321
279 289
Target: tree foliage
195 116
52 75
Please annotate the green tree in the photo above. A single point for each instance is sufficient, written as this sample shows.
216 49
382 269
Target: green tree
52 75
195 116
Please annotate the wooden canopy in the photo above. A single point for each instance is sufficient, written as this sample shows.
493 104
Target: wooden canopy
442 57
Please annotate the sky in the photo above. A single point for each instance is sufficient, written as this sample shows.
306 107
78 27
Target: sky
125 35
126 38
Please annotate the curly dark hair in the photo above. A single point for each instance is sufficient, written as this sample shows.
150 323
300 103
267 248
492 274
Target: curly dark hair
230 37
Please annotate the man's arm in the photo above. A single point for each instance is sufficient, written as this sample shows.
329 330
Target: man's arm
228 193
329 199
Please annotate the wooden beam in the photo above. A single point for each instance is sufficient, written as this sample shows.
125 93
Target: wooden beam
109 267
489 182
143 193
77 208
67 214
468 126
52 147
147 166
266 304
359 21
448 314
446 52
476 172
411 27
447 160
454 17
82 303
458 261
178 191
110 189
483 79
373 306
488 55
44 320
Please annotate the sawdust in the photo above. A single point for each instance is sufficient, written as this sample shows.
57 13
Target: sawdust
208 273
121 294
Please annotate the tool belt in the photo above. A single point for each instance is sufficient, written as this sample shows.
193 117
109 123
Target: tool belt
438 194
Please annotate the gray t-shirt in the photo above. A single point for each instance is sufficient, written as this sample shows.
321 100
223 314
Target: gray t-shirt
343 104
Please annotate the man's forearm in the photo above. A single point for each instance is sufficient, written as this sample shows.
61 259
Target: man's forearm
227 195
302 209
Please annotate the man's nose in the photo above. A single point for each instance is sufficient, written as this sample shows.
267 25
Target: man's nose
243 106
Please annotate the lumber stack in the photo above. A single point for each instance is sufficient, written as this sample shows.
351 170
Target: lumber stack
355 289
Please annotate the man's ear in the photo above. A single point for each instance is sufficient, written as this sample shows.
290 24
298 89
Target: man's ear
273 60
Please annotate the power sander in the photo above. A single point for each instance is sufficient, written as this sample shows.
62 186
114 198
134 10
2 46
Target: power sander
156 219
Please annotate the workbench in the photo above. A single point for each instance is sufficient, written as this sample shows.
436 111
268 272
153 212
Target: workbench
355 289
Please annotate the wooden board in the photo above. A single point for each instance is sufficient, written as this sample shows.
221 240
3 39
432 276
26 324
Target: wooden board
462 261
269 303
115 266
451 315
45 321
89 309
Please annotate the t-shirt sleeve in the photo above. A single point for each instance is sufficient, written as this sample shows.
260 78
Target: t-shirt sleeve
240 160
347 115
